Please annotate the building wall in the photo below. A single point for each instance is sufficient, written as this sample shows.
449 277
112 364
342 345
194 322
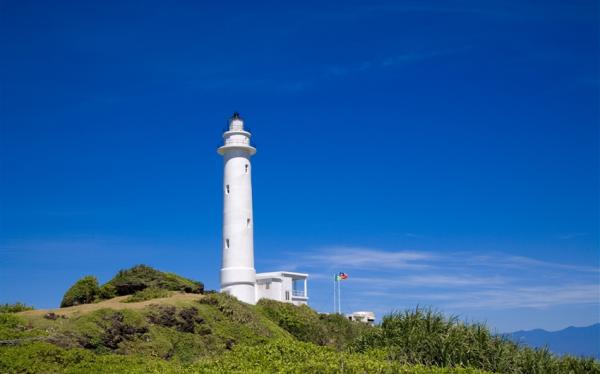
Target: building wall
268 289
277 287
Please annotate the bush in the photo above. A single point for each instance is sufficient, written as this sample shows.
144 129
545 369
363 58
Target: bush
84 291
167 316
101 330
284 356
300 321
107 291
39 357
147 294
340 331
14 308
307 325
140 277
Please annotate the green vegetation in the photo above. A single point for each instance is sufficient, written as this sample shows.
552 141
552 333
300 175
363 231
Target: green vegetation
84 291
284 356
425 337
274 357
129 282
215 333
14 308
306 325
147 294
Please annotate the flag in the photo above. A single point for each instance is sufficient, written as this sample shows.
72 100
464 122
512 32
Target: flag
341 276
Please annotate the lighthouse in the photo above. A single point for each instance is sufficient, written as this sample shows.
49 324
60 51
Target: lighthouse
238 276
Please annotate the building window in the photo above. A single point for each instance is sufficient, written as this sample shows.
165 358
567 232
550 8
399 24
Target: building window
227 189
248 222
226 243
268 285
287 295
246 169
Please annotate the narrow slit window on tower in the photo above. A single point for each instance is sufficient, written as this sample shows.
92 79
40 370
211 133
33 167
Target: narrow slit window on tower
226 243
227 189
247 222
246 171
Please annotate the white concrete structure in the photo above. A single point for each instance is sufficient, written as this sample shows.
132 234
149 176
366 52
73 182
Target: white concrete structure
238 276
362 316
282 286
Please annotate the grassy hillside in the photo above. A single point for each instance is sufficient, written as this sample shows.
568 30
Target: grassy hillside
177 332
185 333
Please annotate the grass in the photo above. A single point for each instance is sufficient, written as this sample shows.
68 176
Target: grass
148 294
14 308
117 303
274 357
160 331
426 337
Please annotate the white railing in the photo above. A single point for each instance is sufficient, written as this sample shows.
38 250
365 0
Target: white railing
299 293
231 141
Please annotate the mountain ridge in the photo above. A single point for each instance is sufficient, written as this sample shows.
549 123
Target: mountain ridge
578 341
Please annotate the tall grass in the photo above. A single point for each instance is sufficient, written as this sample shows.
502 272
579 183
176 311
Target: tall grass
427 337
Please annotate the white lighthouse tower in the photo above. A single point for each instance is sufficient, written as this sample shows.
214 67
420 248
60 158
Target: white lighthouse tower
238 276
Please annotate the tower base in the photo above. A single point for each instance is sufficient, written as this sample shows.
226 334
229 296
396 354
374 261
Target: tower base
239 282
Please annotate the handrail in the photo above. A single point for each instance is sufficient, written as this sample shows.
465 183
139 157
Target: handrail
232 141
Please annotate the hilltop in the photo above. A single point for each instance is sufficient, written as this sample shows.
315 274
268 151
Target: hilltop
160 327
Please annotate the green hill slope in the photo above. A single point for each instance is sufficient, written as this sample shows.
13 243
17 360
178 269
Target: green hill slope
178 332
184 333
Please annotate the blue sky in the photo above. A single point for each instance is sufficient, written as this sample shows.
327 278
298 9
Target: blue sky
440 153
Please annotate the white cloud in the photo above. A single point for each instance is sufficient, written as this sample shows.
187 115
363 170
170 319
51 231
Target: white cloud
458 280
352 257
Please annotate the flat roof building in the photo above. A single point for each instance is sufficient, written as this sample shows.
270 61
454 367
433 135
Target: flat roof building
282 286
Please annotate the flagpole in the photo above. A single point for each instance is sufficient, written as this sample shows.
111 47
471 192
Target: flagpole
334 306
339 298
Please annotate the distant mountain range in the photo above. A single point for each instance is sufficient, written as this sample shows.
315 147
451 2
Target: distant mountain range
577 341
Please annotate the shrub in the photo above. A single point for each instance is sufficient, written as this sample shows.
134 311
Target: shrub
39 357
307 325
284 356
84 291
14 308
102 330
234 322
300 321
231 307
341 332
107 291
140 277
183 321
147 294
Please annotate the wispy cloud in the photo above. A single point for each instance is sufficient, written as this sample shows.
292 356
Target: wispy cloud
369 258
454 281
521 262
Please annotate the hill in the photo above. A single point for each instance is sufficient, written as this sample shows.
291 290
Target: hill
184 333
577 341
160 330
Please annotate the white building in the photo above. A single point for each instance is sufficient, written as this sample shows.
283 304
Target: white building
238 276
282 286
363 316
